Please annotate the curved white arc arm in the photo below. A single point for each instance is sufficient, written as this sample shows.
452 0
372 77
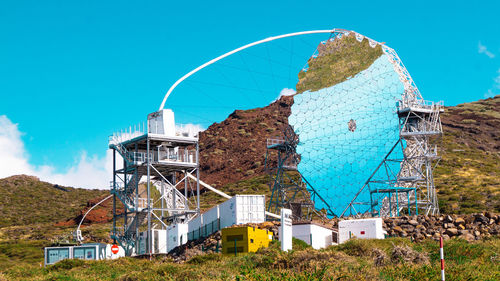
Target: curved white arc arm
83 218
235 51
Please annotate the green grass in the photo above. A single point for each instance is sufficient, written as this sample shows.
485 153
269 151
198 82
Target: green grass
342 58
389 259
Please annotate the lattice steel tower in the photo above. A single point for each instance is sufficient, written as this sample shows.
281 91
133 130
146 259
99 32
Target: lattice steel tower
157 166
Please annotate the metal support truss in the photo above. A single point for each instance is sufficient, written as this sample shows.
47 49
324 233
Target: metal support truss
420 127
289 189
411 187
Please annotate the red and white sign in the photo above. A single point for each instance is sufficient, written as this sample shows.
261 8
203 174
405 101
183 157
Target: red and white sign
115 249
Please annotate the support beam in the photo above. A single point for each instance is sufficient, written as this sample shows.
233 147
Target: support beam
209 187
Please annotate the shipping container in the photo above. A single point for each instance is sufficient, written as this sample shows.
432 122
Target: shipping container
240 209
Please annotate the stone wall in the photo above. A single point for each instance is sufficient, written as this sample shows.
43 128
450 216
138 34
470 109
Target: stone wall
469 227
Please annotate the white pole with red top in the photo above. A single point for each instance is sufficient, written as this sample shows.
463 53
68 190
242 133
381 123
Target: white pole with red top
441 253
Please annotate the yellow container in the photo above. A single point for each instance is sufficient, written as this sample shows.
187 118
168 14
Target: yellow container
245 239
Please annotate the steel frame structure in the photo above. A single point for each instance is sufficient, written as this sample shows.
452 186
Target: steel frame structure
412 187
156 168
288 191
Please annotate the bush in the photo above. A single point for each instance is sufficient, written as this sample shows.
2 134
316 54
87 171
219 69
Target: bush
67 264
299 245
199 259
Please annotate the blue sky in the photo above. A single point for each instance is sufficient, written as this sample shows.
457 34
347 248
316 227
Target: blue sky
72 72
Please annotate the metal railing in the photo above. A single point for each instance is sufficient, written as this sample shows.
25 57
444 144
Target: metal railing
409 101
175 155
142 203
275 141
128 134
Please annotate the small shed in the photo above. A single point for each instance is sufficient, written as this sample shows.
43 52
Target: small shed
361 228
244 239
318 236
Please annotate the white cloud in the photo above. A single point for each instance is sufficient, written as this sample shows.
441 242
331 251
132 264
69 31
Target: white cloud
12 153
481 49
188 129
87 171
495 89
497 80
285 92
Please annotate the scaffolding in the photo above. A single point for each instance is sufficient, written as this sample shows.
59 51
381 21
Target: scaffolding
289 189
157 183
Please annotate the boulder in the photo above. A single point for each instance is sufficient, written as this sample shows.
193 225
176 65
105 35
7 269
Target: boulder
413 222
467 236
481 219
452 231
398 229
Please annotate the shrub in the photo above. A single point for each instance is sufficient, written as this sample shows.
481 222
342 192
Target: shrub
67 264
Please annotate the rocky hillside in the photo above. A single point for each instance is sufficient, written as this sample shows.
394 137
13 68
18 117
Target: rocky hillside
27 200
235 149
468 176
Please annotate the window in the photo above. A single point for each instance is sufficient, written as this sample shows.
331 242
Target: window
79 253
90 254
84 253
55 255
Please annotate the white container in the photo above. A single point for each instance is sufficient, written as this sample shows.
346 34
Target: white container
361 228
159 242
176 235
162 123
240 209
315 235
90 251
142 244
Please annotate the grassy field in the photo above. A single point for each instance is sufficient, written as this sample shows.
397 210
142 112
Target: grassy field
389 259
